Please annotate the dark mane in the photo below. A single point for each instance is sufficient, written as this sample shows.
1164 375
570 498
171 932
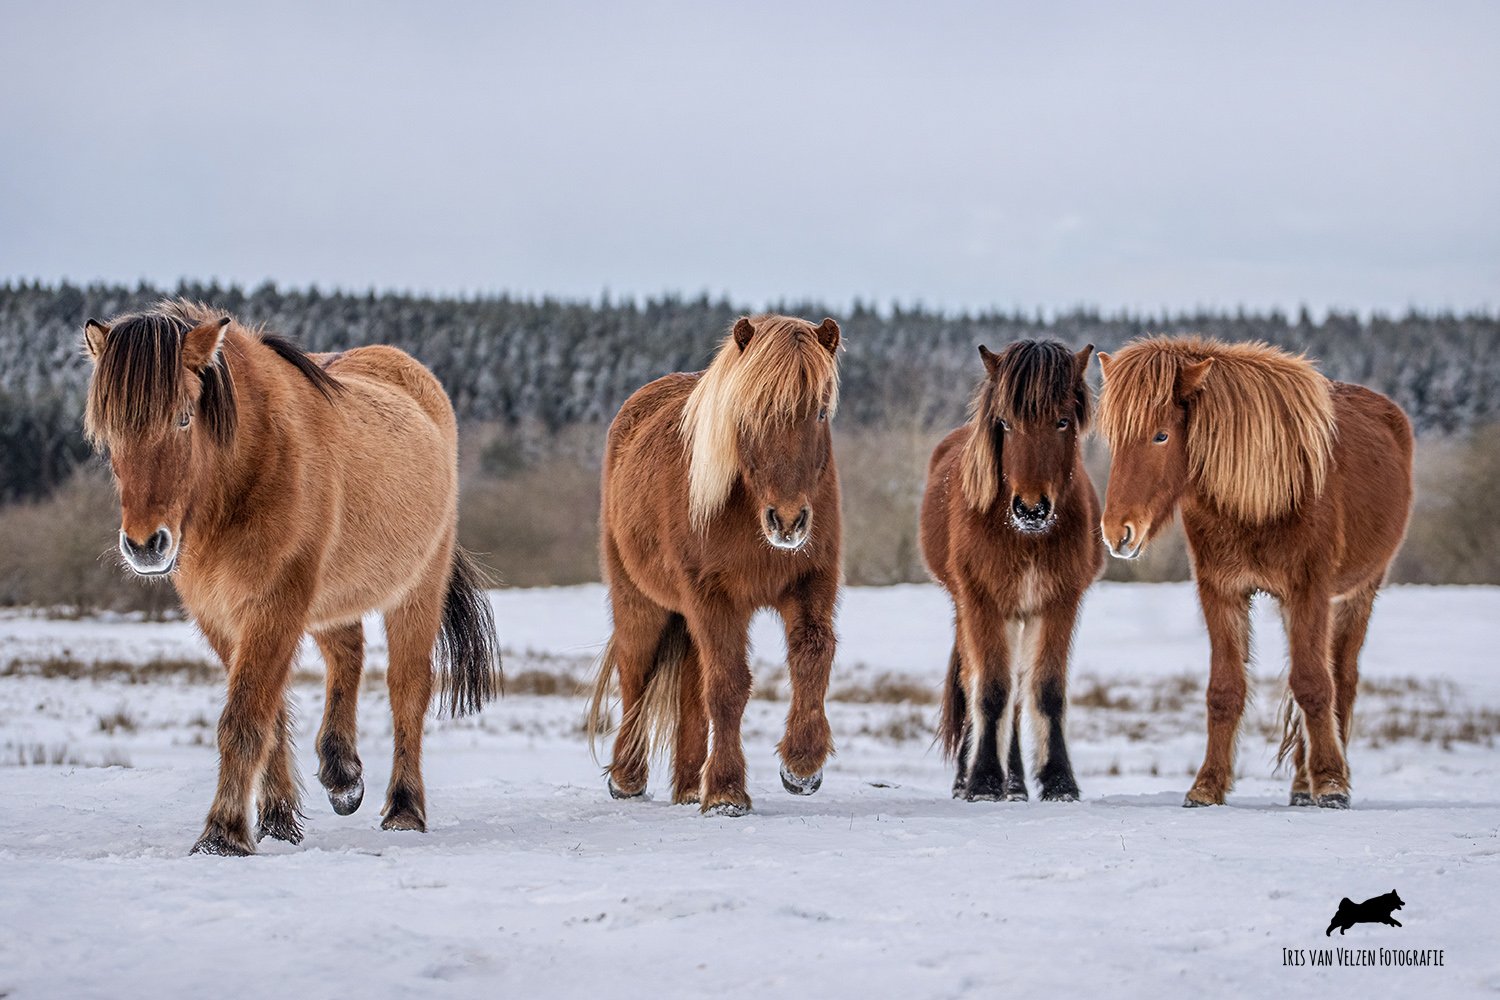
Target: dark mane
1034 380
1030 381
137 383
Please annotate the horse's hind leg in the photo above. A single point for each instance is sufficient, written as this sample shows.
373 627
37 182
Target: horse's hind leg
280 791
1351 621
690 746
411 632
339 769
808 615
639 626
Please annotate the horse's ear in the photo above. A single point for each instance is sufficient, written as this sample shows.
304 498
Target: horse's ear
201 343
94 333
991 359
743 331
828 334
1104 362
1190 377
1081 361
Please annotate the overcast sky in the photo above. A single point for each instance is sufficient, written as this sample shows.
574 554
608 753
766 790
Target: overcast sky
962 155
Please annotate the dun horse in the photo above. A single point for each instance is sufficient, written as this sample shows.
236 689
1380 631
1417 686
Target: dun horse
287 493
1288 483
721 497
1008 528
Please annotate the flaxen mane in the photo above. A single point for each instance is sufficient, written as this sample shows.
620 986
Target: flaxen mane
1031 380
782 373
1260 428
137 387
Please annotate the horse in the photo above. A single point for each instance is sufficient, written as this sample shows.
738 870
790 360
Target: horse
1288 483
285 493
720 497
1007 527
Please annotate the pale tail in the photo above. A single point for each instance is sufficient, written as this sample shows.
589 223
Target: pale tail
654 721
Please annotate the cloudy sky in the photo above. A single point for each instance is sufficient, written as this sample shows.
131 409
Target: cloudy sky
962 155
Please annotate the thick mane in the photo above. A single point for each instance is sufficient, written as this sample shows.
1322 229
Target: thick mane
1260 428
783 373
137 388
1032 380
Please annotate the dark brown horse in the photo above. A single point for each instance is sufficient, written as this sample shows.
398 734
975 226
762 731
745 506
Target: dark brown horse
1289 484
287 493
1008 529
721 497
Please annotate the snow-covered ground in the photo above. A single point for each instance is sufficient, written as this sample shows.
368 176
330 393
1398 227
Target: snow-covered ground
532 882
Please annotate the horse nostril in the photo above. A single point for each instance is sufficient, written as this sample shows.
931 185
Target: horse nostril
1043 507
773 521
159 542
802 518
1125 539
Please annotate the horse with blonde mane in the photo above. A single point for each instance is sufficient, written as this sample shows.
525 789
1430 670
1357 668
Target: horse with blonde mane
1288 483
1008 528
720 496
285 493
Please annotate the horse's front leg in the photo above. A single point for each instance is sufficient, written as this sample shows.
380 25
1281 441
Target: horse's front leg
1228 618
1049 699
807 612
1311 681
722 636
985 652
258 673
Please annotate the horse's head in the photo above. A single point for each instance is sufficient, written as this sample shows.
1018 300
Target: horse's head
760 416
1147 428
1028 414
160 397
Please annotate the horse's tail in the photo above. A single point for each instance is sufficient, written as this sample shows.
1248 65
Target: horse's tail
468 652
955 709
1291 727
655 713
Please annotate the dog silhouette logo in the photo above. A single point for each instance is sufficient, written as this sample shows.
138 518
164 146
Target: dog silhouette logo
1371 911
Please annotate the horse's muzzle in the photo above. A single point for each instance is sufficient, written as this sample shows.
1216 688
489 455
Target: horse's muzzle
153 557
1125 542
787 535
1032 519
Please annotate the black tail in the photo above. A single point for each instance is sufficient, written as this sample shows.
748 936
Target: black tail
468 654
955 709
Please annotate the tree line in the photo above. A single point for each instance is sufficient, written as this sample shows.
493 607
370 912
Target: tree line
545 365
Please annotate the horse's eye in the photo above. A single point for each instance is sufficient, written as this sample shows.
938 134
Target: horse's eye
1005 425
1161 437
184 420
823 413
1062 424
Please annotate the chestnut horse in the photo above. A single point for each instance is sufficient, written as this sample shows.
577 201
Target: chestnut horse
1008 529
721 497
286 493
1288 483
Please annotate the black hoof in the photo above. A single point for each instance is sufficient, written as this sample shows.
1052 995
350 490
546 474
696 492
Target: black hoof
279 823
801 786
1301 799
348 798
616 793
222 845
1060 795
985 788
1338 800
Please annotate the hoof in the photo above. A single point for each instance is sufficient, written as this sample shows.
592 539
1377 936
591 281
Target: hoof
348 798
987 788
801 786
1301 799
616 793
404 820
1018 795
733 810
1191 803
220 844
1060 795
279 823
1337 800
